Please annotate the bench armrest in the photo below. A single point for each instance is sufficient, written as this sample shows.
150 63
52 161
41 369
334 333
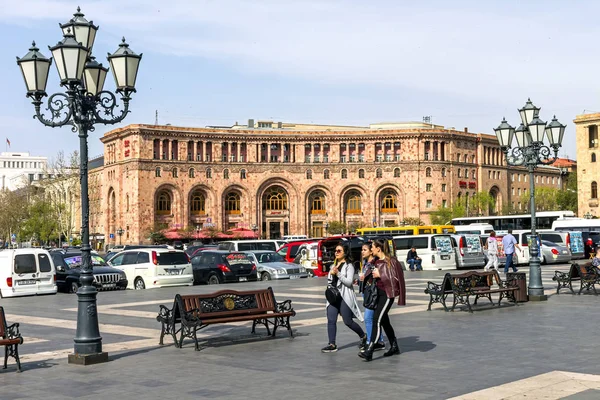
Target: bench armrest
164 313
558 275
433 288
12 332
284 306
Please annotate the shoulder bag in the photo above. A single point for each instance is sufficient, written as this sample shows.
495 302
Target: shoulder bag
332 293
370 294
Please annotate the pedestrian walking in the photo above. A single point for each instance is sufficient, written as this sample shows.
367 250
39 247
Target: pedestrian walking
492 252
390 284
509 243
341 276
366 277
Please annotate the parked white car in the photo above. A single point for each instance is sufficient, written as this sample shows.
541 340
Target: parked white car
270 265
154 267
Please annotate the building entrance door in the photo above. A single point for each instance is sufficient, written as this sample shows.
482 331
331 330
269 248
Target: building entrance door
274 230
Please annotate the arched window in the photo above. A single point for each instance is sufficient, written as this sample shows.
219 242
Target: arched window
473 173
275 199
593 136
396 172
466 173
163 203
225 173
443 172
353 202
232 203
326 174
344 174
309 174
388 202
208 173
594 190
361 173
243 174
593 157
428 172
174 172
379 173
317 204
192 173
157 172
198 203
459 173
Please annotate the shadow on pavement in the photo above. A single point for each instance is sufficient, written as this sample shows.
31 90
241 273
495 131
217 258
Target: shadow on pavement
412 343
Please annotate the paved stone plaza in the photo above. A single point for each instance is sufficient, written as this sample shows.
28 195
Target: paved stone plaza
541 350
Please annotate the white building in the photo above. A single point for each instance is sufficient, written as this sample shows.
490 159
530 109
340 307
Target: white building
19 169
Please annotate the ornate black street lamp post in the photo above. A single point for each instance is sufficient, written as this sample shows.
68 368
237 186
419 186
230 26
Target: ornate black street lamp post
531 152
83 104
326 226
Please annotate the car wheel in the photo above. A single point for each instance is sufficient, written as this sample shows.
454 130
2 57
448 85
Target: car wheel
542 260
74 287
311 273
265 276
213 280
139 284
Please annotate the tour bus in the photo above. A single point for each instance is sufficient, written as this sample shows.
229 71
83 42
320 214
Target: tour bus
405 230
543 220
475 228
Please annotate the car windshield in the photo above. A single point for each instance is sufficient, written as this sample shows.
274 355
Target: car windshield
75 261
269 258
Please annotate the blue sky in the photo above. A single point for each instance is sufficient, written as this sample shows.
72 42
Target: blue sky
215 62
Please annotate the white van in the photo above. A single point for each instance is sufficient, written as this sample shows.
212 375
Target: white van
436 250
469 252
26 272
246 245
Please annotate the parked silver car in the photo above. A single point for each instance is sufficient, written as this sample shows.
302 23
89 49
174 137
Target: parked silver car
271 265
553 253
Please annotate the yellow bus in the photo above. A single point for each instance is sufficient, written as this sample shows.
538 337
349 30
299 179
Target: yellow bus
405 230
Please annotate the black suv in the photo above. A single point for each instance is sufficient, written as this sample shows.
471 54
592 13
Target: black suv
68 270
216 266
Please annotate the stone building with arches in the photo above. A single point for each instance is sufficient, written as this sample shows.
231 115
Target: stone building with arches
282 179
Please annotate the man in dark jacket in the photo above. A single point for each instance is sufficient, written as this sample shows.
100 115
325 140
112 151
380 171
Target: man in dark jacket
413 260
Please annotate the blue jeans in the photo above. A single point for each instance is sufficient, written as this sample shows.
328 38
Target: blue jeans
369 325
509 263
414 264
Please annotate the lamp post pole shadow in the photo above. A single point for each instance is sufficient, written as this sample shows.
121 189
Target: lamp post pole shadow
531 152
83 104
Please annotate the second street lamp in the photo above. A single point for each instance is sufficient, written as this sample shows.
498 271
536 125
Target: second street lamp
120 232
83 104
531 152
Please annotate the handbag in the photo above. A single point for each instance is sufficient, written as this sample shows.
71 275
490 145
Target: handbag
371 296
332 293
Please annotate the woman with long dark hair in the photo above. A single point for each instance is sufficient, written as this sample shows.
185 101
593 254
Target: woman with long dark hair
341 276
390 284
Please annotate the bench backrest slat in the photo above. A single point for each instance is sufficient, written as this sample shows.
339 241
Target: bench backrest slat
228 303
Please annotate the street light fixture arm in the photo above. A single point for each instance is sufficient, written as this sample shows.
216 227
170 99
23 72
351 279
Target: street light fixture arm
530 156
59 105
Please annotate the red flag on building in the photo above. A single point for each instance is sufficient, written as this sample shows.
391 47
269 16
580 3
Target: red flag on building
7 141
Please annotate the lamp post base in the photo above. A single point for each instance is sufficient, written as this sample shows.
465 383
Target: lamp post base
88 359
538 297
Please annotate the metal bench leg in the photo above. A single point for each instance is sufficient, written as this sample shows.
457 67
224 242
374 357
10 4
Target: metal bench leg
253 327
17 358
571 286
5 356
430 302
469 305
444 297
195 340
162 333
289 327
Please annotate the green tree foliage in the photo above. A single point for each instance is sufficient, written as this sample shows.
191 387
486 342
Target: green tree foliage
14 207
336 228
413 221
40 223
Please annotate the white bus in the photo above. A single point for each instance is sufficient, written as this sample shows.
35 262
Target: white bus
476 228
576 224
544 220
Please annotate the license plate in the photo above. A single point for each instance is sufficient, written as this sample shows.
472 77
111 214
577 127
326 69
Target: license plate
564 252
294 276
445 257
109 285
173 271
242 279
27 282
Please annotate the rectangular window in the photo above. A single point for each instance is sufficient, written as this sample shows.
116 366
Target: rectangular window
44 263
352 158
443 188
25 264
444 203
429 204
388 157
428 187
379 158
343 159
325 159
361 158
397 157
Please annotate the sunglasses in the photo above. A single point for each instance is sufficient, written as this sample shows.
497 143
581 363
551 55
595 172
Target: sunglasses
339 251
